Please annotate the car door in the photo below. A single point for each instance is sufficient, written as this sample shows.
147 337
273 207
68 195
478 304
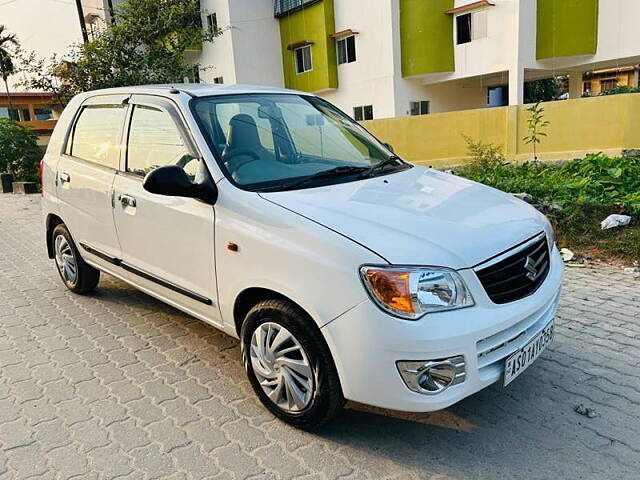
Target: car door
85 175
167 242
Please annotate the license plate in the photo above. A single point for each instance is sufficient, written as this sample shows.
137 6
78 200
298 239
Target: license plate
519 361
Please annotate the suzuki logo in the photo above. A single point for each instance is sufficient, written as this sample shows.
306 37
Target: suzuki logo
530 267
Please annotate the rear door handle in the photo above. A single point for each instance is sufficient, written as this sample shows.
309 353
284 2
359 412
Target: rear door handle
64 177
127 201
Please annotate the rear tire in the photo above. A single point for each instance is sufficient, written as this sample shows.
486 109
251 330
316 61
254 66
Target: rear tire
289 365
76 274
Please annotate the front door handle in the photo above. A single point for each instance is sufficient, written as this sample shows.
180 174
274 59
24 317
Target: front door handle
127 201
64 177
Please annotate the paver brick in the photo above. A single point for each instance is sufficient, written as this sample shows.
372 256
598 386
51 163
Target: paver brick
206 434
129 435
118 385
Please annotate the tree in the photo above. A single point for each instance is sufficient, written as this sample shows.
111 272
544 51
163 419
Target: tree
535 125
19 151
545 90
6 64
148 44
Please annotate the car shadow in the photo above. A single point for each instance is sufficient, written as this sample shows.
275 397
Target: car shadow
496 433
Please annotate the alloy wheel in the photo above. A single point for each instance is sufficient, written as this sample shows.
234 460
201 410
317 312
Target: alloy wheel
65 260
282 367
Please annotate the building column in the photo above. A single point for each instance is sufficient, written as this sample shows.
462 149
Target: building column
516 86
575 85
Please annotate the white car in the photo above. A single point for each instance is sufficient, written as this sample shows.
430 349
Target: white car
346 272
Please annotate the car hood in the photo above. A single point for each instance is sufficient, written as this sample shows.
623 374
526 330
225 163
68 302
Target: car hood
419 216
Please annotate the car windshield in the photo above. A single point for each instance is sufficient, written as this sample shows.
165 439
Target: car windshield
268 142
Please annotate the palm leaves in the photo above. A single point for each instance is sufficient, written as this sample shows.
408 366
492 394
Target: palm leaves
6 64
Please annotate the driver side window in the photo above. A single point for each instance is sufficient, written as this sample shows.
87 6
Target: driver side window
155 141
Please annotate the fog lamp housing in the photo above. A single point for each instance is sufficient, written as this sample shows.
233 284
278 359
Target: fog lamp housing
431 377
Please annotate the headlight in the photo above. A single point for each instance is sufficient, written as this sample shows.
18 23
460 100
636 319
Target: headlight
411 292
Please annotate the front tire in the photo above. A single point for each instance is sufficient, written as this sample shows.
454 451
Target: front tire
289 364
76 274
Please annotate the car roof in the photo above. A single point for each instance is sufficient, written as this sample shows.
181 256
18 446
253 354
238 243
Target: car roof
196 89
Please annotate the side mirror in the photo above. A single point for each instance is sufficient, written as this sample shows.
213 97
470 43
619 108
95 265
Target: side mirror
389 147
173 181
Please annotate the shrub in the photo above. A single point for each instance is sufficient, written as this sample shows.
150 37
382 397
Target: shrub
484 155
620 89
19 151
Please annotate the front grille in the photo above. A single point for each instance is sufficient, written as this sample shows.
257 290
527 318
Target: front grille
518 275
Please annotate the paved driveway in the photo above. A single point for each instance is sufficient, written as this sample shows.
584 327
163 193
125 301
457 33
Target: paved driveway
117 384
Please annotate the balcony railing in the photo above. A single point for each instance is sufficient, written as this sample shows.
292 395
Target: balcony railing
284 7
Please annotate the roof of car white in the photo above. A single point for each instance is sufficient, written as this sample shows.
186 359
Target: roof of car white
198 89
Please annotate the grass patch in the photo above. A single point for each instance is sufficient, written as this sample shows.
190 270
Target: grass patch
576 196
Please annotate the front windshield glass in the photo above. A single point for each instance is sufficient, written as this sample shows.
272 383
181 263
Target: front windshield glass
273 142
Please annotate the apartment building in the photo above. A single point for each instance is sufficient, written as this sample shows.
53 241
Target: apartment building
598 81
386 58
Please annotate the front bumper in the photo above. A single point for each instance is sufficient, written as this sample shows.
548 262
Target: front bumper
366 343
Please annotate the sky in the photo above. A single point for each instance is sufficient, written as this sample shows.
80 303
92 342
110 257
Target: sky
43 26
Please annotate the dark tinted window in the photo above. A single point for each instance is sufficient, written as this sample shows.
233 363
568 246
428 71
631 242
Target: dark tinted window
303 59
43 113
347 50
419 108
463 27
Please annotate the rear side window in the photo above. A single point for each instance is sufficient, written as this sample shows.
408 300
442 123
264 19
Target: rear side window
155 141
96 133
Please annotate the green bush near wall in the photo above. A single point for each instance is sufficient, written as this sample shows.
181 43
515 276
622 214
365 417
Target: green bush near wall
314 23
566 28
426 34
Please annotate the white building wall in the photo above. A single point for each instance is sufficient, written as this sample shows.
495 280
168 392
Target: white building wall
248 49
494 52
218 58
370 79
256 42
479 64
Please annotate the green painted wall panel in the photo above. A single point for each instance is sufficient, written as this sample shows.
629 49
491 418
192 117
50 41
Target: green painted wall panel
426 34
314 23
566 28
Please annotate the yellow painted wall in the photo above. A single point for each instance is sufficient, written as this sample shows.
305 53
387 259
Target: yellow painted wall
608 124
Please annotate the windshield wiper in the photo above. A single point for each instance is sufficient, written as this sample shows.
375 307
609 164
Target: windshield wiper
378 167
342 171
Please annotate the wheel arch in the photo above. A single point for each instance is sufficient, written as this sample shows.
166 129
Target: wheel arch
251 296
52 222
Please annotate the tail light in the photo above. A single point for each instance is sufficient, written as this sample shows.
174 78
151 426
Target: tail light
41 177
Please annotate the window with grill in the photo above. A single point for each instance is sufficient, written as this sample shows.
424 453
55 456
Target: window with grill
419 108
346 50
471 26
284 7
218 80
364 112
608 84
303 59
212 22
16 114
43 112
